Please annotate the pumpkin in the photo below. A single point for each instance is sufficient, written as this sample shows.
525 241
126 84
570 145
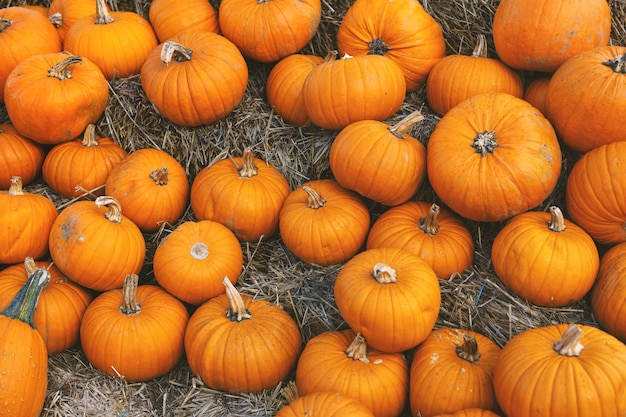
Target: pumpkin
579 368
191 261
284 87
61 305
379 161
76 95
324 403
25 220
244 194
95 245
19 156
63 13
24 368
336 92
389 295
323 223
252 347
171 17
400 30
593 194
433 233
151 186
545 258
195 78
103 38
470 412
512 164
457 77
81 166
535 92
23 32
452 370
585 98
608 298
341 361
135 332
268 30
539 35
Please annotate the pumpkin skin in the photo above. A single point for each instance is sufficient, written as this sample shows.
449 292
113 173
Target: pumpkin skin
191 261
323 223
471 412
535 92
82 165
284 87
400 30
23 33
341 361
336 93
324 403
24 368
61 305
380 291
72 83
268 30
457 77
608 299
171 17
195 78
95 245
593 193
63 13
545 259
585 98
452 370
568 366
152 187
435 234
244 194
118 42
19 156
379 161
540 35
512 165
135 332
252 347
25 220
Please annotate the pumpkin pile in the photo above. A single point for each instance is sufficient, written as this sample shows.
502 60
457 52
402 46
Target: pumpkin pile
286 200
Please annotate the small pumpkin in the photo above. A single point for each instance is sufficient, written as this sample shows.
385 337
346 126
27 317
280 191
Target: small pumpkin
135 332
63 13
324 403
535 92
608 298
171 17
19 156
252 347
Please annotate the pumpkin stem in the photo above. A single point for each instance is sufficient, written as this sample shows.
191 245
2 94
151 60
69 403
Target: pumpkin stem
384 274
237 310
429 224
569 344
89 137
480 50
248 168
175 51
331 56
403 126
15 188
5 23
61 70
468 350
130 305
115 209
485 143
617 64
557 222
102 13
199 250
314 200
23 305
56 19
378 47
159 176
358 349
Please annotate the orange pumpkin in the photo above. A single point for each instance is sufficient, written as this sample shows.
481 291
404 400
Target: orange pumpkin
389 295
171 17
341 361
63 13
244 194
195 78
252 347
400 30
535 92
324 403
151 186
511 165
19 156
608 299
471 412
323 223
135 332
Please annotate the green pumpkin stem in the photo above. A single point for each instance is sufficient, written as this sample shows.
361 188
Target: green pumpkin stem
314 200
173 51
378 47
402 127
89 137
23 305
237 310
159 176
61 70
130 305
102 13
15 188
468 350
569 344
617 64
429 224
384 274
485 143
480 50
4 24
557 222
115 209
357 350
248 168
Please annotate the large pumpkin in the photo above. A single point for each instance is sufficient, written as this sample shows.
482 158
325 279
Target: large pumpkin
608 299
171 17
493 156
19 156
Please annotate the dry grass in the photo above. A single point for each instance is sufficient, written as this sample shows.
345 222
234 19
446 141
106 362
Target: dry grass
474 300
